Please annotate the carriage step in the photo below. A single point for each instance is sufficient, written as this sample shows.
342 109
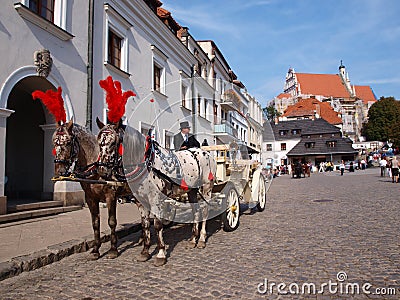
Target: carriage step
34 206
28 214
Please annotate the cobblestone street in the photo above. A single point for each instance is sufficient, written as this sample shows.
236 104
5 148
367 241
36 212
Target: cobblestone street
312 229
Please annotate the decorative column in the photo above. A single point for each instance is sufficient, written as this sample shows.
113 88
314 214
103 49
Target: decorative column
4 114
48 161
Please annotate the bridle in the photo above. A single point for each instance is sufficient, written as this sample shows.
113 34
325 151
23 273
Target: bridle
69 163
115 163
71 167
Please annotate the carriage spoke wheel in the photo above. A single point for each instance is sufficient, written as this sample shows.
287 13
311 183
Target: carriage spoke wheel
232 212
262 194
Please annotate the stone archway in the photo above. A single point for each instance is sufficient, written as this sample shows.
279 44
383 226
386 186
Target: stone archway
26 142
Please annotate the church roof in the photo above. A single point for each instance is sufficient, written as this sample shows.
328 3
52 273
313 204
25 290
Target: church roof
328 85
365 93
308 107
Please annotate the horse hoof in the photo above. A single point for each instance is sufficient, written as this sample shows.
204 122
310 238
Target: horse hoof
93 256
201 244
158 262
111 254
143 257
191 244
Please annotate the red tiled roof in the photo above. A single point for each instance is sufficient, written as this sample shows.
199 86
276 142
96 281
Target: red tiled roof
167 18
364 92
283 95
322 84
307 107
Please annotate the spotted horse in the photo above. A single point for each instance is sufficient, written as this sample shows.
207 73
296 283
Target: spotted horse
155 174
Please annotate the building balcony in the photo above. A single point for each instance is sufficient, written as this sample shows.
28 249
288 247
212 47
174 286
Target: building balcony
225 132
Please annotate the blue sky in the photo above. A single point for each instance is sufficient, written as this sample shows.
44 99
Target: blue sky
261 39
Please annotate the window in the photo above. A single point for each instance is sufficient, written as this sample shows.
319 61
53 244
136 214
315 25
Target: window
44 8
215 113
114 49
50 15
296 131
283 132
283 146
159 64
145 128
331 144
269 147
198 104
310 145
184 91
205 108
168 139
157 78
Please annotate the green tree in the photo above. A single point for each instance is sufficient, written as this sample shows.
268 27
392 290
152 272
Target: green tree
270 112
383 121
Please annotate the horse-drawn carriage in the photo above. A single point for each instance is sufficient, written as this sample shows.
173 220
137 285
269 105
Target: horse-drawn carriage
239 180
189 186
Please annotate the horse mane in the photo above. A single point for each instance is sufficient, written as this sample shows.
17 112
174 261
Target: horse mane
88 144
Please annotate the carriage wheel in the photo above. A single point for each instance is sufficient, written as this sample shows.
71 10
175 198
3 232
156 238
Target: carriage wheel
231 215
262 194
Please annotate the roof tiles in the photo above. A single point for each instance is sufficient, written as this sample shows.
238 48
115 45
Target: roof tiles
328 85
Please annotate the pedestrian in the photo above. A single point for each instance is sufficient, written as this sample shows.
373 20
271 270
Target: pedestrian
363 163
383 164
351 168
341 167
321 167
289 168
395 170
389 168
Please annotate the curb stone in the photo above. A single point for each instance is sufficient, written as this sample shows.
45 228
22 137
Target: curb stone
56 252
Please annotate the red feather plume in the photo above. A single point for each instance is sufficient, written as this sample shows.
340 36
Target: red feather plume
53 102
115 98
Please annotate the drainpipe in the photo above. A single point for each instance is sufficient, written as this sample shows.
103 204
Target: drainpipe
194 106
89 100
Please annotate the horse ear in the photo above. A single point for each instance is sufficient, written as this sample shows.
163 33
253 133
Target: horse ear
99 123
70 125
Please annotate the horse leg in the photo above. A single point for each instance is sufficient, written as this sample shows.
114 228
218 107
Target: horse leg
95 213
145 219
207 189
192 195
161 257
112 222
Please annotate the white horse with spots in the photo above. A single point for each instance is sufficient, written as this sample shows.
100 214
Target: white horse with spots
156 175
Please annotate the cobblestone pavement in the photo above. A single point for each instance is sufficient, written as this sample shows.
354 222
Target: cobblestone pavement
313 228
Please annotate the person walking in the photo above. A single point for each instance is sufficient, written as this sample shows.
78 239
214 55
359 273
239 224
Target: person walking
395 170
341 167
383 164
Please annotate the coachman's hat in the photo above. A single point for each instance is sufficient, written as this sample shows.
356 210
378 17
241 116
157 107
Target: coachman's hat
184 124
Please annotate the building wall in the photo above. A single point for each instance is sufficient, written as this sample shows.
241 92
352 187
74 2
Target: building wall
19 39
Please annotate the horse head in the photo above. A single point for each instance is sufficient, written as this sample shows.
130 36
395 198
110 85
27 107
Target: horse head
111 149
65 149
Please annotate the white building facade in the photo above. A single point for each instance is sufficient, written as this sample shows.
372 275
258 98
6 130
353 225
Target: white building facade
138 43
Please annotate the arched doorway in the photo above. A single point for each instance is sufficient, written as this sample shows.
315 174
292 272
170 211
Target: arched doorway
25 142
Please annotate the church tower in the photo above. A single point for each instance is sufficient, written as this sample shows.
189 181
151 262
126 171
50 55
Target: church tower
345 78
